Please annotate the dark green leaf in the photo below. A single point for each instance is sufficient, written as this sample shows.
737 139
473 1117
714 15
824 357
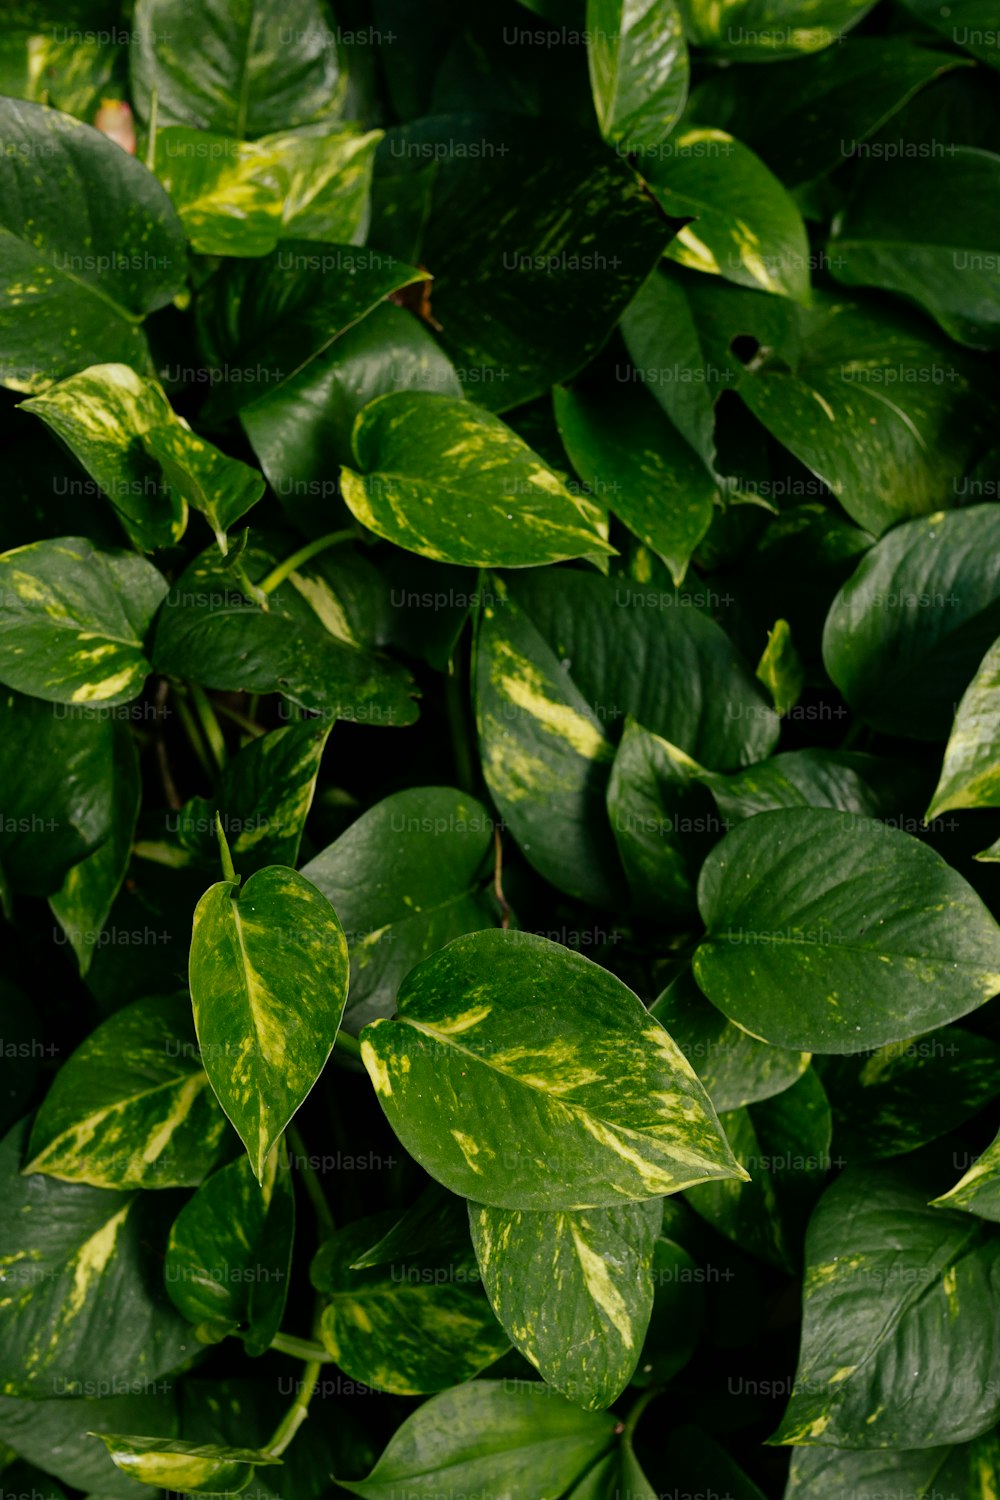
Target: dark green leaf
907 631
240 67
885 1277
811 913
404 880
759 30
978 1191
638 70
486 1435
970 776
91 244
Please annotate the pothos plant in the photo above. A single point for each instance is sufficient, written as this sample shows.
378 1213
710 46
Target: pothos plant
499 749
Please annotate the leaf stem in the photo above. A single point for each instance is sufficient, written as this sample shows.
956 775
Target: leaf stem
303 555
209 725
296 1413
632 1420
305 1349
240 720
498 880
325 1223
455 708
348 1044
190 727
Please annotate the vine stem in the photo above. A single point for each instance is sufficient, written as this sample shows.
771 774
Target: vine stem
324 1218
210 726
303 555
632 1420
348 1044
304 1349
296 1413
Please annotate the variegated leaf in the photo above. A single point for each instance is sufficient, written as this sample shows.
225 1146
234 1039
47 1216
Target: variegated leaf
132 1107
229 1254
190 1468
75 1259
965 1471
978 1191
896 1298
147 460
414 1322
268 974
450 481
264 797
73 620
522 1075
90 246
573 1290
243 197
970 776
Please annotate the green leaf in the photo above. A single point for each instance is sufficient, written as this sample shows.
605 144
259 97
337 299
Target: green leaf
873 786
535 254
422 456
676 1319
132 1107
70 298
885 1277
908 630
83 903
876 405
694 1459
242 197
522 1075
149 463
969 23
970 775
968 1469
761 30
488 1437
197 1468
746 227
978 1191
58 768
73 621
815 108
239 67
563 658
926 230
638 70
79 1265
305 646
404 879
416 1322
898 1098
573 1290
301 433
265 793
734 1067
780 669
811 913
70 72
229 1254
263 322
634 460
656 821
268 981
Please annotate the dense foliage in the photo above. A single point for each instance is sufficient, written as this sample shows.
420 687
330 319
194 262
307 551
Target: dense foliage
500 749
